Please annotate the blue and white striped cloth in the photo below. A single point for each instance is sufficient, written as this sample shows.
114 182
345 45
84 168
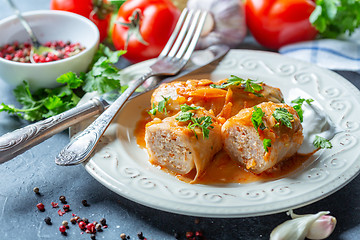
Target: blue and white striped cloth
328 53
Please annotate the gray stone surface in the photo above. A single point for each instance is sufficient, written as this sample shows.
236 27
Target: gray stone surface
20 219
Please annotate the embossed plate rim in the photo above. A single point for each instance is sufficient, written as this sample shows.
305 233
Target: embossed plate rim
149 186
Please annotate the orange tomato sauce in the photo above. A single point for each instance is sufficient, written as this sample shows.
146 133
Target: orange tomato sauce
224 170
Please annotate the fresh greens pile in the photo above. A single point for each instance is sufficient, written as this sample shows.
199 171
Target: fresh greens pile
335 17
102 77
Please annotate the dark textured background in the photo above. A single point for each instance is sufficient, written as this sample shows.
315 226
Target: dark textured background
20 219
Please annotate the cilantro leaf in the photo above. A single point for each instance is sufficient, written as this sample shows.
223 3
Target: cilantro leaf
257 118
335 17
204 123
44 103
184 116
161 107
250 85
298 107
321 142
266 144
283 116
253 87
185 108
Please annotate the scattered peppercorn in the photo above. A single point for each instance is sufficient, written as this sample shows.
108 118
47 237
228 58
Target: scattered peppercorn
85 220
47 220
72 220
65 223
85 203
93 237
140 236
91 228
123 236
62 229
54 204
41 207
82 225
62 199
36 190
103 221
98 227
66 208
177 235
77 218
189 234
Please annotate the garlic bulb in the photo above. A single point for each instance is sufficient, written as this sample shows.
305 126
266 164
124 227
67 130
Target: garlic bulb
224 25
313 226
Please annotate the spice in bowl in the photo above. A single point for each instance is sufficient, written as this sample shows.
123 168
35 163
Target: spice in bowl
20 52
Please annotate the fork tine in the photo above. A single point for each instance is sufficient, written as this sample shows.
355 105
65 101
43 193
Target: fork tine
182 34
175 33
189 34
195 38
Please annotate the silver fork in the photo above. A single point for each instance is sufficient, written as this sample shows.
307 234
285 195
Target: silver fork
171 60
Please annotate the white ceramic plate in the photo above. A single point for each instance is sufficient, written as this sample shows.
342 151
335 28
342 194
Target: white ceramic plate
123 167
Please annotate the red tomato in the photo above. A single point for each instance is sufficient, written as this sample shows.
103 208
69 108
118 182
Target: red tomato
97 11
156 20
275 23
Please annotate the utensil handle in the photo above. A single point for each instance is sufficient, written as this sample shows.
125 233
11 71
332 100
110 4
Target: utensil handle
80 147
20 140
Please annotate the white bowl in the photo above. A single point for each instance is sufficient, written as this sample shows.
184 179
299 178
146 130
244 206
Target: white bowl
48 25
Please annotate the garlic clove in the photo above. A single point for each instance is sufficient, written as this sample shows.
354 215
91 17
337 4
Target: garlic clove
208 26
297 228
322 228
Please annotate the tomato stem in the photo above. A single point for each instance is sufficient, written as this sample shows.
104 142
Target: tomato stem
134 27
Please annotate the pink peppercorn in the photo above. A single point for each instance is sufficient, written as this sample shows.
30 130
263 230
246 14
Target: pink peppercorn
41 207
62 229
82 225
91 227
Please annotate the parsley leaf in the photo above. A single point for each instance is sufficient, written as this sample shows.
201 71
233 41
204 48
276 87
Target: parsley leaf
185 108
161 107
335 17
250 85
256 118
45 103
321 142
298 107
253 87
204 122
266 144
283 116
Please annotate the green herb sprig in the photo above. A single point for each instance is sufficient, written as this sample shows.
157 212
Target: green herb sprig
249 85
204 122
161 107
333 18
283 116
321 142
44 103
298 106
257 121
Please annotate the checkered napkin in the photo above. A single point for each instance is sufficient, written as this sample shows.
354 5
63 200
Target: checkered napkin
328 53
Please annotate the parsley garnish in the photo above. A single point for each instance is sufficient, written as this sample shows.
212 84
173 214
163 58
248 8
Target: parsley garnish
204 123
185 108
257 121
44 103
250 85
256 118
298 107
266 144
283 116
321 142
161 107
335 17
